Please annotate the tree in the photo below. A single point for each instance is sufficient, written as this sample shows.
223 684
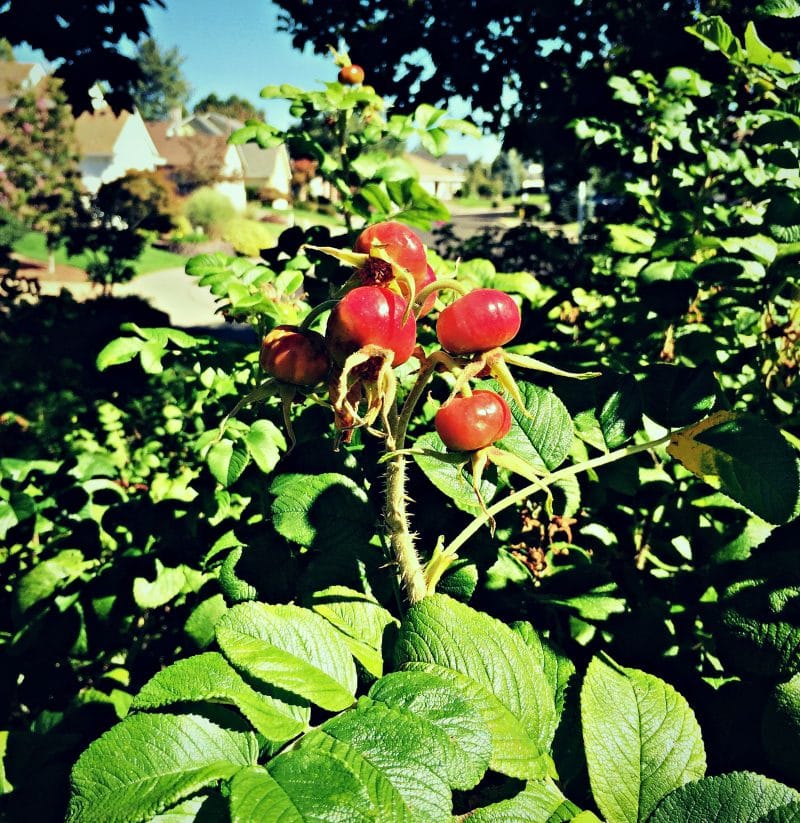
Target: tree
6 50
115 226
531 68
41 177
162 86
84 39
232 106
508 167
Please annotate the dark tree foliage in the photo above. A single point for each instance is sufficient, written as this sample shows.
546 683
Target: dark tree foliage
83 38
554 57
162 87
239 108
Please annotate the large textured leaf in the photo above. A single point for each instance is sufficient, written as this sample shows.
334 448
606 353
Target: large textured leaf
458 715
361 620
740 797
207 677
323 511
747 459
292 649
303 786
148 762
540 800
557 668
641 740
543 436
407 750
759 632
450 473
780 728
516 696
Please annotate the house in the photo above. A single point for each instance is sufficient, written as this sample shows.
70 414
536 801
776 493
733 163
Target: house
262 168
112 144
437 180
195 159
16 77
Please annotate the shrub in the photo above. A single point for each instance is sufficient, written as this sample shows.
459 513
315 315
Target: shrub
248 237
209 210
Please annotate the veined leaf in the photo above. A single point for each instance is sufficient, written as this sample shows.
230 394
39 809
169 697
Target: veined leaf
540 800
641 739
745 458
457 715
303 786
742 797
557 668
406 749
166 758
291 649
476 648
361 620
208 677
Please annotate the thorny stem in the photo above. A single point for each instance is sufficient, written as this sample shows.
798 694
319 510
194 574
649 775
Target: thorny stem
546 482
412 575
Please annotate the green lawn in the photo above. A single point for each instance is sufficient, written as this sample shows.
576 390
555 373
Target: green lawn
33 245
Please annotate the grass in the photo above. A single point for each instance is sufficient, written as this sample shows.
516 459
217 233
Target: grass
32 245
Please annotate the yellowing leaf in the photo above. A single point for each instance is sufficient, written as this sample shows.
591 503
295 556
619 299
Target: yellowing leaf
699 458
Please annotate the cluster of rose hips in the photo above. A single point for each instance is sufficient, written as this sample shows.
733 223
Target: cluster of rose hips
372 329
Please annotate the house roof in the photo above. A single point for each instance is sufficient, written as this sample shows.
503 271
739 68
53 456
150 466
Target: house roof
257 163
180 148
15 76
427 168
98 131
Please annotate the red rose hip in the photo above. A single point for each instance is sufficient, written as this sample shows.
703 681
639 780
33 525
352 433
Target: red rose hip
352 75
295 356
481 320
371 315
400 245
471 423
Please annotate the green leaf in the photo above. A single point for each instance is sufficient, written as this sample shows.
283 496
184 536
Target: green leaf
641 739
517 699
739 797
540 800
747 459
383 795
321 511
677 395
759 54
203 808
543 436
780 728
406 749
200 623
557 668
227 461
717 34
46 578
121 350
361 620
779 8
630 239
291 649
302 786
166 758
758 631
208 678
449 472
265 441
169 583
457 715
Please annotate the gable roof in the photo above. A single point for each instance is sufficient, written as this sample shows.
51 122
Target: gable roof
97 132
180 148
257 163
15 77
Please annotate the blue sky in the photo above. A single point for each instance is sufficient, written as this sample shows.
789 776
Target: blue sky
234 47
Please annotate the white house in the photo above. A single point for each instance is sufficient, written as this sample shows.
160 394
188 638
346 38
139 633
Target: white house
112 144
262 168
16 77
186 153
437 180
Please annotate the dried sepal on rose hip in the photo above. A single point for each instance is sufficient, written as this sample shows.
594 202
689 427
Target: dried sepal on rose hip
294 355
